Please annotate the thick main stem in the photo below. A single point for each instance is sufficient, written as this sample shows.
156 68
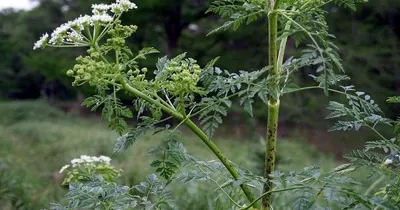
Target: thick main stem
273 108
192 126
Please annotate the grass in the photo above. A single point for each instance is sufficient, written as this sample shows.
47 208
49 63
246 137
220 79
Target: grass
37 140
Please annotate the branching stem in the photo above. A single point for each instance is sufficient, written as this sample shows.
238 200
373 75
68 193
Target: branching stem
192 126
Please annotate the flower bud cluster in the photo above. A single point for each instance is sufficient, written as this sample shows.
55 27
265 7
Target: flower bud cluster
183 76
89 69
119 33
81 169
138 76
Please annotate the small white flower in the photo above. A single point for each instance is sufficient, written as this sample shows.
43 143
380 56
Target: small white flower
99 9
86 158
127 4
84 20
122 6
76 161
57 37
73 37
95 159
76 24
63 168
105 159
116 8
104 18
388 161
41 42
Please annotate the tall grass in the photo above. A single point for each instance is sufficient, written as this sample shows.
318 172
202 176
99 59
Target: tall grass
36 140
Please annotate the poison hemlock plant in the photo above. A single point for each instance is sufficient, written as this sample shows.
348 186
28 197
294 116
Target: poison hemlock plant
182 89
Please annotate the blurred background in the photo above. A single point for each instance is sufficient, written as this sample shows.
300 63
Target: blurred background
43 126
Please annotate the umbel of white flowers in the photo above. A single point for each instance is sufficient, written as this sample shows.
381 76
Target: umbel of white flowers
71 33
84 159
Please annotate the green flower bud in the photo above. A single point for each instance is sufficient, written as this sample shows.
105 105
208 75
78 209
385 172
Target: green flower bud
144 70
70 73
80 71
170 69
79 58
87 77
178 69
130 72
131 78
185 73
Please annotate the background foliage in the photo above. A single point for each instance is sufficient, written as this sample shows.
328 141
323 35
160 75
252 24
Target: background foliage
177 26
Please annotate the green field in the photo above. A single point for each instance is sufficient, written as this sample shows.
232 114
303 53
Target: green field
37 140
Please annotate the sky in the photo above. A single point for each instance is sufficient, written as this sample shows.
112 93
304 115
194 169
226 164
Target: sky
17 4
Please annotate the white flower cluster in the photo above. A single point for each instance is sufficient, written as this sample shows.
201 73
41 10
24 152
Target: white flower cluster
116 8
84 159
122 6
41 42
99 9
70 33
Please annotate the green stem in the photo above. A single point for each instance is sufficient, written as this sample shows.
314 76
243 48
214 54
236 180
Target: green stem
313 87
282 46
374 185
189 123
273 108
276 4
270 150
376 132
221 188
89 34
192 126
147 98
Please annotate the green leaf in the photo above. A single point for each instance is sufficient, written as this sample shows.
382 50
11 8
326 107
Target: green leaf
394 99
127 140
238 12
125 112
247 103
146 51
